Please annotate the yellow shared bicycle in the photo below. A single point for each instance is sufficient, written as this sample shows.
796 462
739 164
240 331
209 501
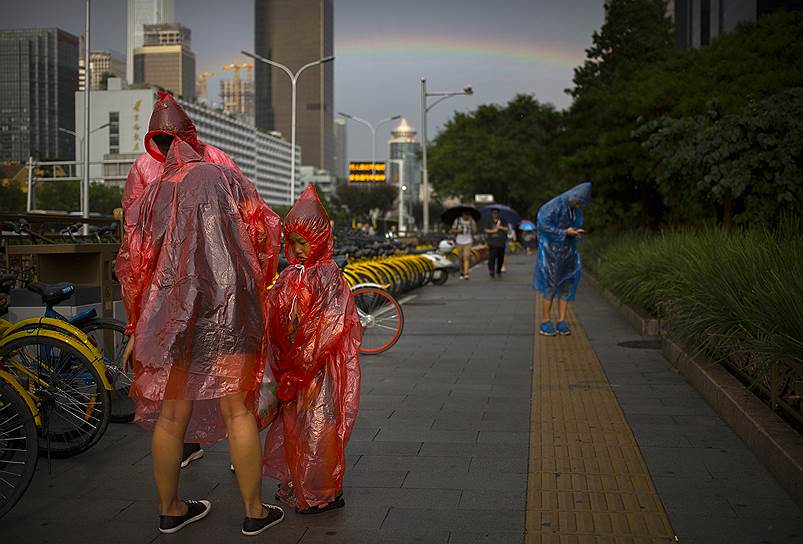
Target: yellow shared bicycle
65 377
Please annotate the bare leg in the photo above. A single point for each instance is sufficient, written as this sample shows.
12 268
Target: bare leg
563 306
167 446
547 307
246 453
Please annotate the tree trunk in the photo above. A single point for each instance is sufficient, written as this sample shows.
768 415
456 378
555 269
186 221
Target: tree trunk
727 212
644 218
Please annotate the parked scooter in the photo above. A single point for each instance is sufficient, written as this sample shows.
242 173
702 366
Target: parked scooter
441 262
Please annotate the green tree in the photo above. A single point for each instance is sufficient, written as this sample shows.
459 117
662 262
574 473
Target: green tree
598 144
635 33
497 150
749 163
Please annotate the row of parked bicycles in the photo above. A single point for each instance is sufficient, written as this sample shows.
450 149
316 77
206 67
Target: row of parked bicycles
73 233
61 384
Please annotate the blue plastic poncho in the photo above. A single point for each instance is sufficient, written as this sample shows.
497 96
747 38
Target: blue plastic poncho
557 268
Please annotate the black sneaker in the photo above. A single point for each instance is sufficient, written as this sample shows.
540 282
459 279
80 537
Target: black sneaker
191 453
195 510
254 526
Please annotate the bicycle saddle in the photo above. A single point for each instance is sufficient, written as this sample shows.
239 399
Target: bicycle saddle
52 293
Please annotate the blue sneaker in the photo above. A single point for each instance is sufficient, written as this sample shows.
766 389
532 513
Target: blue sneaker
563 328
547 329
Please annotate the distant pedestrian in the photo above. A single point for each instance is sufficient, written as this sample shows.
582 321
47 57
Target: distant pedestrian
496 233
528 238
557 267
465 227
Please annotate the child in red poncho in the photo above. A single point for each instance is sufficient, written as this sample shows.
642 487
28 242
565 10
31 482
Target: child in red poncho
314 334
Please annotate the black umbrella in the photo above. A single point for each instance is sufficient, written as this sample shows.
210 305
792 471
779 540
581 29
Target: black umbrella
451 214
509 215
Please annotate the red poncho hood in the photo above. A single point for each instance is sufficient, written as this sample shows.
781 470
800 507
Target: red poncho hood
309 219
169 118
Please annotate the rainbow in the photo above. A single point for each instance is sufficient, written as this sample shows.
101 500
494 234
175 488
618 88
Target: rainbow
403 45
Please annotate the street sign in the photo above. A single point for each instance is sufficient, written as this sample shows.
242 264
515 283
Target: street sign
484 199
366 172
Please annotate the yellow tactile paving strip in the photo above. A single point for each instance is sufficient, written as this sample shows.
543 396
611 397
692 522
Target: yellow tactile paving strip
587 480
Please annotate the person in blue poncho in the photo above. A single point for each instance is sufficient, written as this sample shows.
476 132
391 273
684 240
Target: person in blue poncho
557 267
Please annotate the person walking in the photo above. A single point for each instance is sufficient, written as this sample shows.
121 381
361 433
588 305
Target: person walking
465 227
557 266
496 235
193 274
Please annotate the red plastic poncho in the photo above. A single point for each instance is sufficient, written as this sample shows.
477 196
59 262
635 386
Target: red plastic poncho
167 118
314 335
193 275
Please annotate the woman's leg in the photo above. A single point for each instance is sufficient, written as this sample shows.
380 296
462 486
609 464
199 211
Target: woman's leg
246 453
466 259
167 447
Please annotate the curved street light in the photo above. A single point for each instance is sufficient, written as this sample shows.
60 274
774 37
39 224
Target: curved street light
293 81
373 133
467 91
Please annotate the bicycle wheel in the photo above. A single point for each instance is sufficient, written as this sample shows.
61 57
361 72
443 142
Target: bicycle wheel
72 400
19 447
109 336
381 317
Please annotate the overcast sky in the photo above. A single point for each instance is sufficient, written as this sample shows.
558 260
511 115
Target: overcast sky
382 47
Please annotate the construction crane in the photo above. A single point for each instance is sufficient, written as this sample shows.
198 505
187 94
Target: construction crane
202 82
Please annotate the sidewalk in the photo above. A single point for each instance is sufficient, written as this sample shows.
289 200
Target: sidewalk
442 449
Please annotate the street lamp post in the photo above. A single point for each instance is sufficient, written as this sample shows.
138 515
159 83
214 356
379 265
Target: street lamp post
293 81
373 134
467 90
402 188
87 89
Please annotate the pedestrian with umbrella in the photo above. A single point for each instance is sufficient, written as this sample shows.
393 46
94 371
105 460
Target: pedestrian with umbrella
528 236
464 224
557 267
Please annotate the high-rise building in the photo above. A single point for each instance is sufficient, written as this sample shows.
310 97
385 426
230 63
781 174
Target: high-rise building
166 59
404 164
104 64
141 13
38 80
341 149
294 33
698 22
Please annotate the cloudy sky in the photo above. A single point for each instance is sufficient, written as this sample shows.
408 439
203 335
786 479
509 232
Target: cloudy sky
383 48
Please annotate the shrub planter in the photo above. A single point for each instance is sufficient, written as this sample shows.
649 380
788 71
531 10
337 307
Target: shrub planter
644 324
772 440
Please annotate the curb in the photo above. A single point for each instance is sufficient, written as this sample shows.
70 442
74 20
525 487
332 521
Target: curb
644 324
770 438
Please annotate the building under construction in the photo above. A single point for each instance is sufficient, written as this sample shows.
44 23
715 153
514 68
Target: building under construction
237 93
